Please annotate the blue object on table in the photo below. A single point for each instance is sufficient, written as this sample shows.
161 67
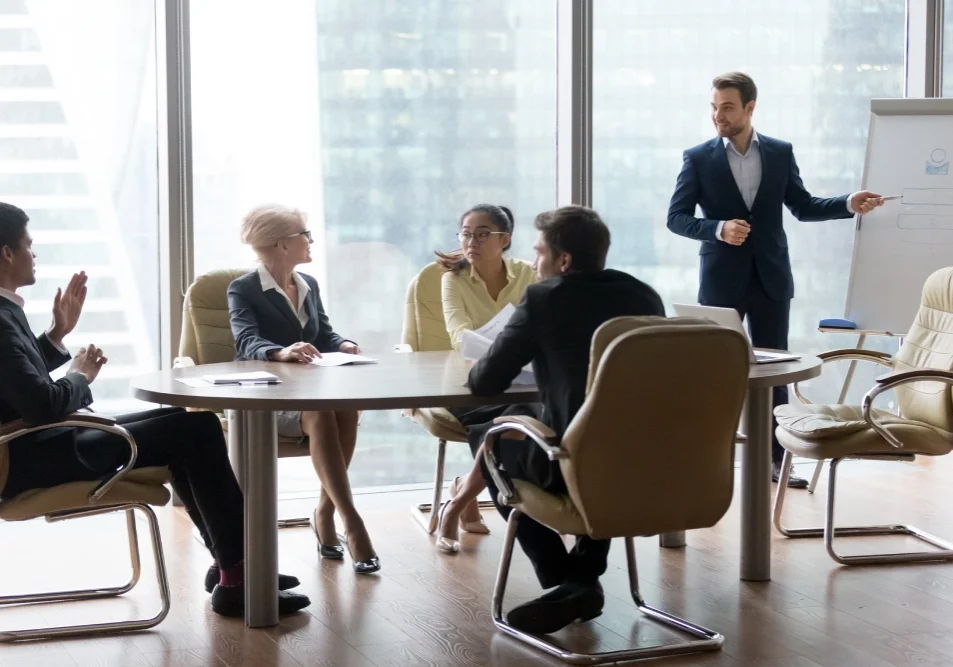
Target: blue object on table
837 323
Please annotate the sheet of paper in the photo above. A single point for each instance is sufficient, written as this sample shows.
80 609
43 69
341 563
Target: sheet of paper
341 359
473 346
492 329
194 382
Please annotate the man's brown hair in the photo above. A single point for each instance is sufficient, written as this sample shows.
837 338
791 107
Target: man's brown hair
578 231
741 82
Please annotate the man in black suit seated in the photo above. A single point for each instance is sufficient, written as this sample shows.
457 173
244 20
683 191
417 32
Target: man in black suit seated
553 329
190 444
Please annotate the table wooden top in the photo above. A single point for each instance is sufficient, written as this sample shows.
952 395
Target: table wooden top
784 372
397 381
409 380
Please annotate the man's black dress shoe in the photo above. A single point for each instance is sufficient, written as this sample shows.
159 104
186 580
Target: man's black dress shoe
230 601
558 608
793 482
285 581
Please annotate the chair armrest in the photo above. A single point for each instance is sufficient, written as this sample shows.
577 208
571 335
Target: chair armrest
860 354
850 354
19 428
891 380
535 430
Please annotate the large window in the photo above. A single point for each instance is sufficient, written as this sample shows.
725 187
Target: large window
78 152
384 121
948 49
653 66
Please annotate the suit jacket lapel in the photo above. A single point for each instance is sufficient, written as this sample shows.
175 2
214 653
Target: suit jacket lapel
767 168
725 179
312 327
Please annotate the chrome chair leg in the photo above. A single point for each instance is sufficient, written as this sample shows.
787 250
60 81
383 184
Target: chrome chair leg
817 475
88 594
829 532
704 639
425 514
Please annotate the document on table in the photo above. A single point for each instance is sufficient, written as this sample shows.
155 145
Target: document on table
243 379
341 359
474 344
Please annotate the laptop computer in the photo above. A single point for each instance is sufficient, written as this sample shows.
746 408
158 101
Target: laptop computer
729 317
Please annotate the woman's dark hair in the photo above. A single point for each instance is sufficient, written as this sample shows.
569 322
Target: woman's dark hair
502 219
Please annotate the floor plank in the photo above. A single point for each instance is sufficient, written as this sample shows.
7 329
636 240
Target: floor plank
430 609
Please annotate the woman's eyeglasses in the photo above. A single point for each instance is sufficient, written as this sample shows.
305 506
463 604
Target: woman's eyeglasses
306 233
481 236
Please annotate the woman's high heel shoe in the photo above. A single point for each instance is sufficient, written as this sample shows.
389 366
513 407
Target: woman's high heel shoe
445 544
335 552
366 566
477 526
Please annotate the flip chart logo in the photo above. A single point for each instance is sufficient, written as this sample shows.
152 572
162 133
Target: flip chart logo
938 164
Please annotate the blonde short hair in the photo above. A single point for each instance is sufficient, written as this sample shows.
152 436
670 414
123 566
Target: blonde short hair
265 225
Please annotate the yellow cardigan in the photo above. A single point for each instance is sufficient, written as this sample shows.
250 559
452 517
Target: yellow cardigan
468 305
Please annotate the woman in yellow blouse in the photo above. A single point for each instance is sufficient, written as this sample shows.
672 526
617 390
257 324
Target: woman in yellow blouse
478 283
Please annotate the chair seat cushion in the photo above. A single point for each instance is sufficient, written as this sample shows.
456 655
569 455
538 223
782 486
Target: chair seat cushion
440 423
550 509
837 431
816 422
141 485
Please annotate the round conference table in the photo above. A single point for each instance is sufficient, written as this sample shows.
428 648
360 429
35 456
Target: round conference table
397 381
418 380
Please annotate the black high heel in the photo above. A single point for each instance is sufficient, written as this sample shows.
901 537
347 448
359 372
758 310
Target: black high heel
367 566
335 552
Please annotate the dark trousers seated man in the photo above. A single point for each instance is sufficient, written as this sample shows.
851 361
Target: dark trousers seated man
190 444
553 329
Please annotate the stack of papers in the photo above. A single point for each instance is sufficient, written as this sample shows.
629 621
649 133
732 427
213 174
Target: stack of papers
474 344
341 359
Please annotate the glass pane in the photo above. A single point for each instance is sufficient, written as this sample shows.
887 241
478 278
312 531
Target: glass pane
654 63
948 48
384 121
78 152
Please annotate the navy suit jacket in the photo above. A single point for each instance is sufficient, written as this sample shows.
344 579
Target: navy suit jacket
263 321
706 181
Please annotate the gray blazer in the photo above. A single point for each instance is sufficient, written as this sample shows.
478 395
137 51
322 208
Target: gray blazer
263 321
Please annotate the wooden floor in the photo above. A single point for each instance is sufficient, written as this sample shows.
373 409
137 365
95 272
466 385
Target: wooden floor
426 608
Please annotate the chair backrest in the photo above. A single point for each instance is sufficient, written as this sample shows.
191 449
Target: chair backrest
206 332
929 344
652 448
425 329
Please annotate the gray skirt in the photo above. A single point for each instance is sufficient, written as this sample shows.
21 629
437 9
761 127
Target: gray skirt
289 424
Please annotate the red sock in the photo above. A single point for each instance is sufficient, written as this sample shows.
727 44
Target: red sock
232 576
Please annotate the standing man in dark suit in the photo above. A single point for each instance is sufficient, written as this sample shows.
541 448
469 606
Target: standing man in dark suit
552 328
740 179
190 444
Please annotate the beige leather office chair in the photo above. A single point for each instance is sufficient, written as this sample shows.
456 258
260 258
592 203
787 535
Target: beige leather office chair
207 339
126 491
425 330
922 372
635 462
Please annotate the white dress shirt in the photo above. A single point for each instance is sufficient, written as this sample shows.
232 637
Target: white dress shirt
17 299
268 282
746 169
